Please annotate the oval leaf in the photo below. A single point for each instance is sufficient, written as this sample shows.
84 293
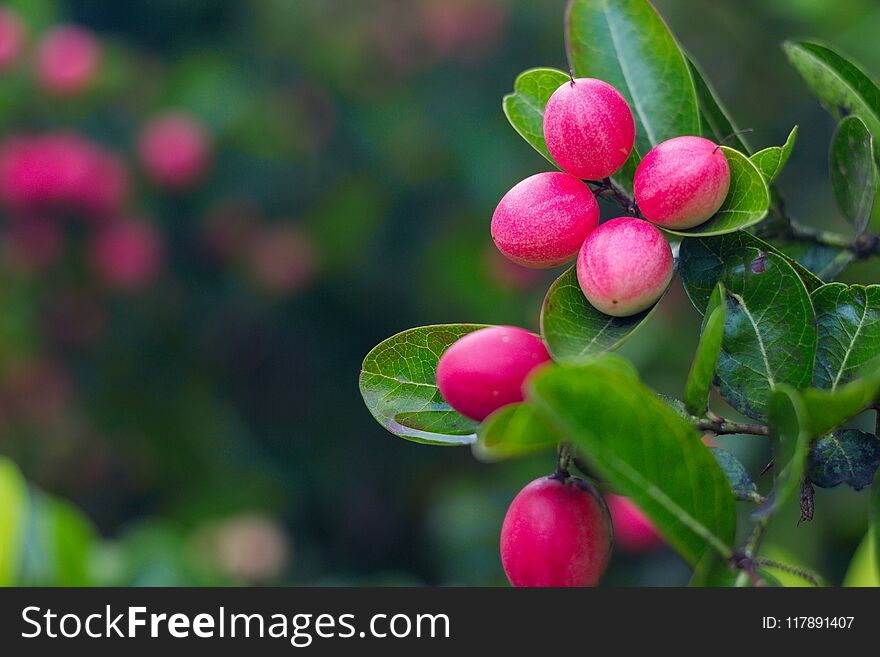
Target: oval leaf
853 171
514 430
524 108
747 202
699 381
701 262
848 320
829 409
770 332
575 331
772 160
824 261
627 44
845 457
644 450
399 388
716 122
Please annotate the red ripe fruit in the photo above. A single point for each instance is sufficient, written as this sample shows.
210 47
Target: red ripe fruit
556 533
633 531
486 369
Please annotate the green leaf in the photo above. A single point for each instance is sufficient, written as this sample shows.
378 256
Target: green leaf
399 388
847 457
791 441
574 330
524 108
772 160
829 409
716 122
864 568
841 86
699 381
848 320
853 171
644 450
701 262
13 502
824 261
770 332
740 481
627 44
747 202
514 430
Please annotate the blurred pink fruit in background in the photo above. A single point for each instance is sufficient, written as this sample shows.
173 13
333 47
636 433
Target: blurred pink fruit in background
175 150
250 547
633 531
281 258
227 229
68 60
11 38
61 170
128 254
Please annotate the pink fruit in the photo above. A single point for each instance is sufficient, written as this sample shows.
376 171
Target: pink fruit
633 531
11 38
281 258
556 533
624 266
589 128
68 60
544 219
127 255
682 182
175 150
486 369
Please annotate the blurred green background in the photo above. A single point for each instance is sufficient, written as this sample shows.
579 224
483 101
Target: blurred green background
207 428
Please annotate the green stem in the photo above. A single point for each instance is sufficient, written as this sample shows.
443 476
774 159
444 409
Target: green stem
813 578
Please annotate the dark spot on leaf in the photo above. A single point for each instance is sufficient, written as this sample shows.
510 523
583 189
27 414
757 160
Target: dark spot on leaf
759 263
843 110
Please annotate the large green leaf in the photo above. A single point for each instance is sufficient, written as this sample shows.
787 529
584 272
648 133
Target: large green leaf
524 108
791 441
829 409
644 450
627 44
848 320
864 568
841 86
701 262
747 202
13 502
716 122
514 430
853 171
770 161
398 385
574 330
702 372
770 332
847 457
824 261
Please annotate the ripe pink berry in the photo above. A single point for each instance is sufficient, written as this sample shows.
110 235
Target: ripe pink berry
624 266
544 219
68 59
633 531
485 370
175 150
589 128
11 38
127 254
556 533
682 182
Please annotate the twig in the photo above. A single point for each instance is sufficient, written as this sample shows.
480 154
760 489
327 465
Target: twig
725 427
609 190
803 573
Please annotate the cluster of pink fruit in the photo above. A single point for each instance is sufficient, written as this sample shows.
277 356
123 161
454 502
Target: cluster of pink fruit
558 530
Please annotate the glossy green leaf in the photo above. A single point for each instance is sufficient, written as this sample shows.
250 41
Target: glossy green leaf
848 320
829 409
744 488
853 171
574 330
13 502
701 262
627 44
399 388
514 430
747 202
644 450
840 85
826 262
524 108
790 437
770 332
864 568
702 372
771 161
715 119
847 457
